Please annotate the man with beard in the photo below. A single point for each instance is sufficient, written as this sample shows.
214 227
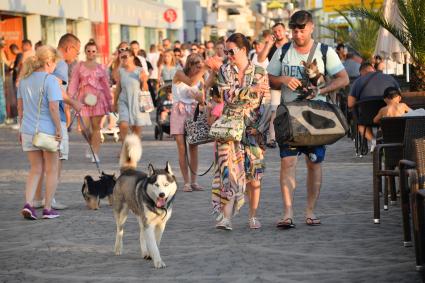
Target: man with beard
285 73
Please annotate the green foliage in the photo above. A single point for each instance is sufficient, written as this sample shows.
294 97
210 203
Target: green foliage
362 35
410 32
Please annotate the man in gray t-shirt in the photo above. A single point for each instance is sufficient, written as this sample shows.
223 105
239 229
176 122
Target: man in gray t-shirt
286 74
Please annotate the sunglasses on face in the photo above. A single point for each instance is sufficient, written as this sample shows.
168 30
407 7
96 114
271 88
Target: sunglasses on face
194 49
123 50
91 51
296 26
124 57
232 51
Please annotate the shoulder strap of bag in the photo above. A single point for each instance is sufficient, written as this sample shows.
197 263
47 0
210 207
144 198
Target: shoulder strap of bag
285 49
324 50
312 51
39 103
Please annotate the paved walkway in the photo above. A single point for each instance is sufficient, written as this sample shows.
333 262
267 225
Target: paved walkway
77 247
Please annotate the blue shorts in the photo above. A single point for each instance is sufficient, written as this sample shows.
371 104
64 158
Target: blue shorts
316 154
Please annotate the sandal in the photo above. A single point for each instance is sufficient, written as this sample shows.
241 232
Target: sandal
196 187
312 221
187 188
286 223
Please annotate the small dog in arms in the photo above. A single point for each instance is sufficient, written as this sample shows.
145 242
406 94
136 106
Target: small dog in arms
149 196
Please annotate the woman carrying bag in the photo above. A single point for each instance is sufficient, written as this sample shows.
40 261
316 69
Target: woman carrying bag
38 106
89 85
131 84
240 162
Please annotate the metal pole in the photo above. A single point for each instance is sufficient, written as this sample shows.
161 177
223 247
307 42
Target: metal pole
106 30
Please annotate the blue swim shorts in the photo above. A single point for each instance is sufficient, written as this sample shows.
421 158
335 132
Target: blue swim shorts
316 154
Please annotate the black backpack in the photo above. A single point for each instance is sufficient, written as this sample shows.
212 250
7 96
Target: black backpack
323 50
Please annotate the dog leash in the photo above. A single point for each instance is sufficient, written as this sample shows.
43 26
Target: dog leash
84 131
188 163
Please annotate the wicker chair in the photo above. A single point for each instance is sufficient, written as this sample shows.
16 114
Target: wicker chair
364 112
415 170
415 128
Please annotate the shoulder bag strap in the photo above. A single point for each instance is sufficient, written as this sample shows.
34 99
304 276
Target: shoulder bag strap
39 103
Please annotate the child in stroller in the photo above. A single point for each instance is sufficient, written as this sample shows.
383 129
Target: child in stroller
163 111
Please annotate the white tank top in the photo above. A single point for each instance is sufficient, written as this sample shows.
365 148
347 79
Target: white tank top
183 92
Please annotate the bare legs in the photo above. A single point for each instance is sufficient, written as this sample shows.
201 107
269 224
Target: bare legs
50 161
288 185
137 130
193 157
253 193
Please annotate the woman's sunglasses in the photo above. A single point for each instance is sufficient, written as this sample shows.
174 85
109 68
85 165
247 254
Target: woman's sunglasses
231 51
123 57
120 50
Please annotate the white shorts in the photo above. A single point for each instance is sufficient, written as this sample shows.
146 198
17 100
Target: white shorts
64 145
275 98
27 143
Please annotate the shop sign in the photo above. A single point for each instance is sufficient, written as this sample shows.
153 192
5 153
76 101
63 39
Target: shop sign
332 5
170 16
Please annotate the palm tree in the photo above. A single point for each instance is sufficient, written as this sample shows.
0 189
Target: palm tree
363 34
410 32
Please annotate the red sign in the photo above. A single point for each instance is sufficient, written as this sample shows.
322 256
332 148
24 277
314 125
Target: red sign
170 16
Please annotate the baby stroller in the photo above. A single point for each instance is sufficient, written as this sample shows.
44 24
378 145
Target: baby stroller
163 105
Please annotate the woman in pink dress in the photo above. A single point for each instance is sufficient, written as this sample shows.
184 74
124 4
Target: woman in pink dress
89 84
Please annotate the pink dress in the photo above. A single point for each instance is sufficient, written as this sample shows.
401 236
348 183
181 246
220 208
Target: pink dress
95 81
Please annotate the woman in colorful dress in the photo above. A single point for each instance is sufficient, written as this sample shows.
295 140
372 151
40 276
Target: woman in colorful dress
187 92
90 85
130 81
240 165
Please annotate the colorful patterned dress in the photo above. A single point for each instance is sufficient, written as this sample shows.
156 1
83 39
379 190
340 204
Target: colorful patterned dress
239 162
91 80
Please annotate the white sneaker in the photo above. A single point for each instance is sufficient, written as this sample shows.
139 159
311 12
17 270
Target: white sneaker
97 158
15 127
58 205
372 145
224 224
88 153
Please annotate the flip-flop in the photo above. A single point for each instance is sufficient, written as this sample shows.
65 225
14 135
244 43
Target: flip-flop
196 187
187 188
286 223
312 221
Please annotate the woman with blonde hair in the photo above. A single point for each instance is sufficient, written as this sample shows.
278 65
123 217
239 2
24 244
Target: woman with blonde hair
90 86
39 94
188 91
167 68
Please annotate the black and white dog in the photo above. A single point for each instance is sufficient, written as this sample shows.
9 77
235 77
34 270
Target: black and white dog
149 196
93 190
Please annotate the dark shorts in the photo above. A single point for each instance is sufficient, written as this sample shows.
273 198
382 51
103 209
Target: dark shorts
316 154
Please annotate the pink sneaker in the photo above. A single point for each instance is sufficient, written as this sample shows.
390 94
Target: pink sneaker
254 223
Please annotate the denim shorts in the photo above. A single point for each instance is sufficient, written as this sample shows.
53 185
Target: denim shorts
316 154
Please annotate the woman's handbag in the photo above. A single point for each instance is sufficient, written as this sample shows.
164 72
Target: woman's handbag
197 129
145 102
41 140
228 128
90 99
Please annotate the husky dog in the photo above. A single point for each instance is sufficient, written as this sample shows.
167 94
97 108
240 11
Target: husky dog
93 190
148 196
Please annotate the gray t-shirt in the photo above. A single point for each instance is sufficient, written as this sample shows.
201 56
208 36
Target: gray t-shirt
291 67
376 86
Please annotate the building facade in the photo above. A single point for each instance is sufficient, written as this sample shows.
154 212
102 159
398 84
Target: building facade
47 20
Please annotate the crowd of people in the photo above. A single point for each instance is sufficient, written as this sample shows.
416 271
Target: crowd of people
231 77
